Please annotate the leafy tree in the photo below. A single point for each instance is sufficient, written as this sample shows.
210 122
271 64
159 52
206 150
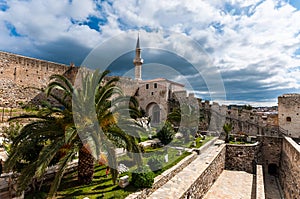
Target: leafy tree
10 133
143 177
227 129
166 134
187 118
247 107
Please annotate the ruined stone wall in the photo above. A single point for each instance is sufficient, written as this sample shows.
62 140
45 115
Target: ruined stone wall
289 113
271 152
218 117
129 86
206 179
242 157
289 174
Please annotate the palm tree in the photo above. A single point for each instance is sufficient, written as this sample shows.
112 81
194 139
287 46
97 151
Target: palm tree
96 124
58 133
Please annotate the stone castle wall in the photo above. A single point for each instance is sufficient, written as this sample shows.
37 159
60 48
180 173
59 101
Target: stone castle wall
242 157
19 73
289 113
289 174
251 123
28 71
271 148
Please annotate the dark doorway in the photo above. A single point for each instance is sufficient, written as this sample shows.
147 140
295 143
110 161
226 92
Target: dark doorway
272 169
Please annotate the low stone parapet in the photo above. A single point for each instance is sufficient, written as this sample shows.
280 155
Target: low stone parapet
289 173
260 188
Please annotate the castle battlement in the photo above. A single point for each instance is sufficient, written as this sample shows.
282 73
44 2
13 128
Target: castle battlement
28 71
19 72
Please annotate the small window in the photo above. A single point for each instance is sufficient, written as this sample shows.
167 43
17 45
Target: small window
152 93
155 85
147 86
288 119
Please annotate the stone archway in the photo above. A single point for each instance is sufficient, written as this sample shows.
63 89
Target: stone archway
272 169
153 110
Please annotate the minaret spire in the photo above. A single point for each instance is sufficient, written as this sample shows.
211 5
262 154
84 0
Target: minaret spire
138 61
138 41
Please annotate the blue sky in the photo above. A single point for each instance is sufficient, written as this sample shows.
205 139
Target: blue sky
254 45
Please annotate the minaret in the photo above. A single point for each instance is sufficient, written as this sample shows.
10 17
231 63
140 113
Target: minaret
138 61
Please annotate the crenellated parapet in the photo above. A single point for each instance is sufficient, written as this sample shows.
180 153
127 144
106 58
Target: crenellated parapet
28 71
18 74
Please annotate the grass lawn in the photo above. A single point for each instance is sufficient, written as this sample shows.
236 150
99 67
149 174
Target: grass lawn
173 157
102 187
240 142
199 143
180 142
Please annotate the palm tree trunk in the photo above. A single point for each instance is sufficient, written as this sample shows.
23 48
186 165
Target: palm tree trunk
85 166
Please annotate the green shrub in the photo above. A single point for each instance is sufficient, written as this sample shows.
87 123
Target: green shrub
166 134
142 177
155 162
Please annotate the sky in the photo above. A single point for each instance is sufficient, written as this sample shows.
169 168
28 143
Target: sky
229 51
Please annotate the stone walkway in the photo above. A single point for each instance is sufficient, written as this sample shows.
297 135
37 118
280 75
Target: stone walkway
271 187
176 186
231 185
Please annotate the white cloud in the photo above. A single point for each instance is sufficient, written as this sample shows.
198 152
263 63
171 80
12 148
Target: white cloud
255 39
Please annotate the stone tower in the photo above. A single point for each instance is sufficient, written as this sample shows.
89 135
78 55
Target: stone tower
138 61
289 113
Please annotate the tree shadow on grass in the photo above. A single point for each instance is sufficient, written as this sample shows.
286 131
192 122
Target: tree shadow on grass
69 184
75 193
100 176
102 180
102 187
99 168
99 194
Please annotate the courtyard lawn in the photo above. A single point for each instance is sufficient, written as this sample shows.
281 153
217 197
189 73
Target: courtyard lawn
180 143
102 187
199 143
173 157
240 142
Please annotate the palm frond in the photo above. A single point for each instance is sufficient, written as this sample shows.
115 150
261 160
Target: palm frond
46 155
63 164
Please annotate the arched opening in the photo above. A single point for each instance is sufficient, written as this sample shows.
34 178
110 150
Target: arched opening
272 169
288 119
154 112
